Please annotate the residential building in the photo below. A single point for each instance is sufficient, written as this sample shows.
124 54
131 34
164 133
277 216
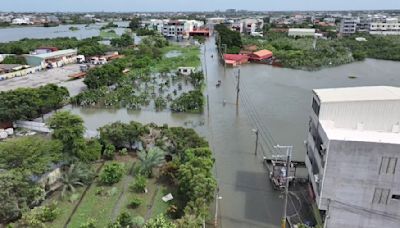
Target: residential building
353 156
348 26
173 28
301 32
390 26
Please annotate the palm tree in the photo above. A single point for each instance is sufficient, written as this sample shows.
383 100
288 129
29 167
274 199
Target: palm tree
70 179
150 159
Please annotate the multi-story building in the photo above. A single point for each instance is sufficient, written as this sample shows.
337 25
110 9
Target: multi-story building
173 28
353 156
389 26
348 26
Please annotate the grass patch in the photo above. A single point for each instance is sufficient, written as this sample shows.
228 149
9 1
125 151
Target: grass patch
146 197
108 34
189 57
159 205
65 206
99 202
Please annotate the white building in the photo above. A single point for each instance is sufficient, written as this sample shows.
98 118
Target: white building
301 32
353 152
22 21
390 26
348 26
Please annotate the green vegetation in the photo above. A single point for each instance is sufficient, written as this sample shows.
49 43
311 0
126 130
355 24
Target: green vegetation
87 47
21 159
109 25
124 41
13 59
29 103
230 38
110 87
108 34
192 101
112 173
299 53
73 28
135 23
145 32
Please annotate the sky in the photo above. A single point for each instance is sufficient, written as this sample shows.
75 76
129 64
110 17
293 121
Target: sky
191 5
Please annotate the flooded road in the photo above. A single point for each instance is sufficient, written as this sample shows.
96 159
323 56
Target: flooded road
275 100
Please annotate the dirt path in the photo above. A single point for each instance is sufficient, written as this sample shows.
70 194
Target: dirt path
150 209
122 197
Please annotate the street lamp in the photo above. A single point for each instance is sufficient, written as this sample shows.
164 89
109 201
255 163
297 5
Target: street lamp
217 199
289 150
256 147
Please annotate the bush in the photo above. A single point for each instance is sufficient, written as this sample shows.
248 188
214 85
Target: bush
92 151
135 202
140 184
123 152
36 217
112 173
138 222
125 219
88 224
109 151
48 213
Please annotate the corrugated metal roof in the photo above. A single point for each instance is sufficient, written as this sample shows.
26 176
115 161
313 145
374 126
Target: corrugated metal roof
55 54
263 53
367 93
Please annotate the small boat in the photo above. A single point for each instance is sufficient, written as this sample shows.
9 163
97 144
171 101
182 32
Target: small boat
218 83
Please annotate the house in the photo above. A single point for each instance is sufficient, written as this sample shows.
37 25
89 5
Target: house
50 180
301 32
52 59
186 70
353 156
390 26
235 59
261 55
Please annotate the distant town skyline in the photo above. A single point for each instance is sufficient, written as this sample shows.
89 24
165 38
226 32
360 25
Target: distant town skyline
192 5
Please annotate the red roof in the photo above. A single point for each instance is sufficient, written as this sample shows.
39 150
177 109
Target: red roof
235 57
260 55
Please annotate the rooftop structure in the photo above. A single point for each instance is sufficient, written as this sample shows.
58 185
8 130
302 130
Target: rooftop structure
301 32
352 153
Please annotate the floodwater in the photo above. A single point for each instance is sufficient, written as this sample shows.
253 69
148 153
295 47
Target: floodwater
275 100
17 33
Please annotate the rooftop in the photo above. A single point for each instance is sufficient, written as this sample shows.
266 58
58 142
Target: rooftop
55 54
359 135
368 93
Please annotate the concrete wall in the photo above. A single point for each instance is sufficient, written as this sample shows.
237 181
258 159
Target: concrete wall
351 176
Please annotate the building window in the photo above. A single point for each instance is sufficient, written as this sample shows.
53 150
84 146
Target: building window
381 196
388 165
396 197
315 107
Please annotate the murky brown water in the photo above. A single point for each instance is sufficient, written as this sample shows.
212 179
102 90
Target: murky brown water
275 99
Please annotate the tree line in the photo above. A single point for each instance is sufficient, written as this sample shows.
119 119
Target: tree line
30 103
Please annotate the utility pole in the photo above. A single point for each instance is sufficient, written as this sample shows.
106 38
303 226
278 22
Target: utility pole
256 132
238 89
289 150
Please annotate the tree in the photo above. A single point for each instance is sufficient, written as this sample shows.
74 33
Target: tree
17 193
109 151
69 129
159 222
112 173
150 159
76 175
121 134
12 59
33 155
124 41
135 23
92 151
